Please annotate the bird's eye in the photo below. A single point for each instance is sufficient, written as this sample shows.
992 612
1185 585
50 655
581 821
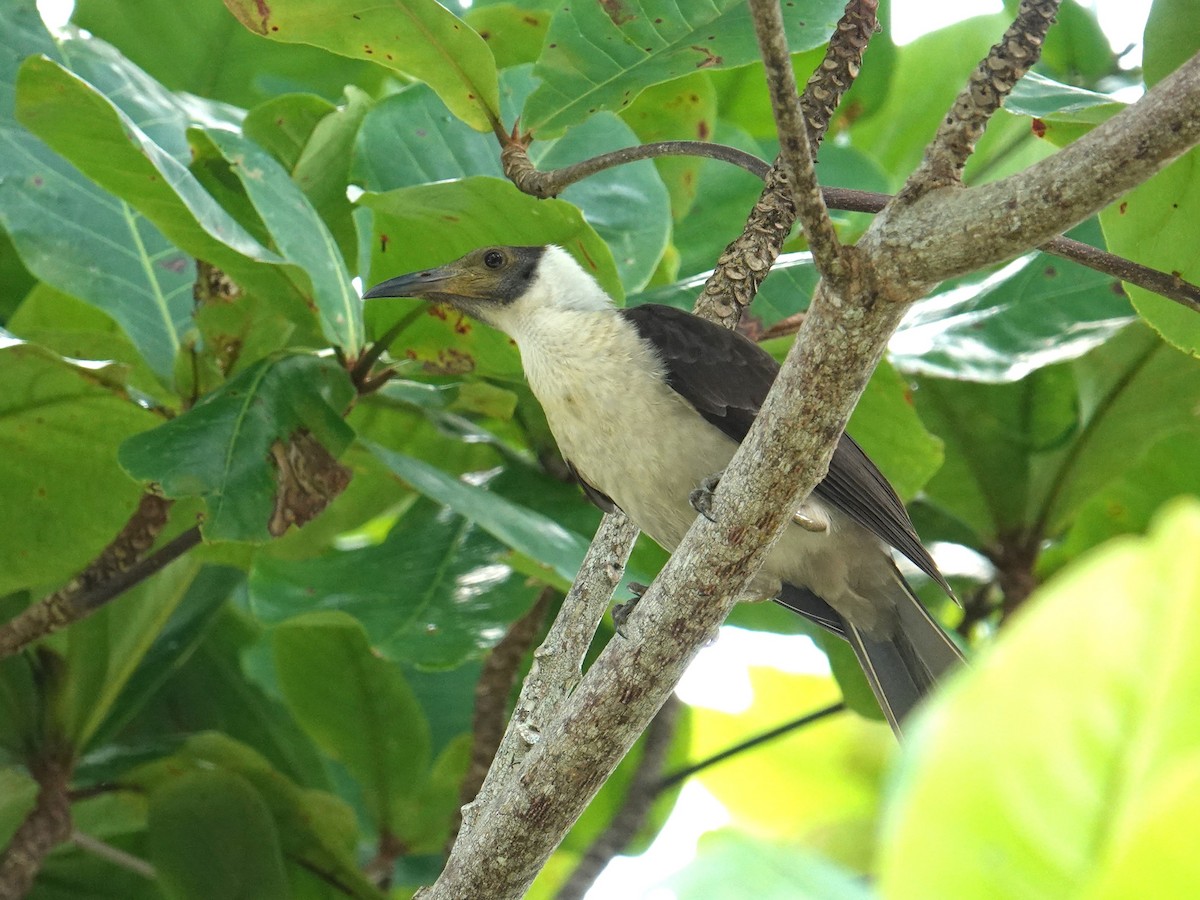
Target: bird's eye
493 259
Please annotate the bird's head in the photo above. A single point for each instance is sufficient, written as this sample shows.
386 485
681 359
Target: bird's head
502 285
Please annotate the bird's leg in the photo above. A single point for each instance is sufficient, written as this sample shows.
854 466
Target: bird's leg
701 498
620 612
811 518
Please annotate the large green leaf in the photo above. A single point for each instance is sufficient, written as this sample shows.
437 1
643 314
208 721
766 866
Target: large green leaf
86 127
220 449
520 528
211 835
1000 326
317 831
60 427
436 592
71 233
1084 711
407 140
602 55
419 38
200 48
103 650
299 234
356 706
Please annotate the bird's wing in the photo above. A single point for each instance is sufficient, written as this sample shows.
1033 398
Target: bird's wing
597 496
726 377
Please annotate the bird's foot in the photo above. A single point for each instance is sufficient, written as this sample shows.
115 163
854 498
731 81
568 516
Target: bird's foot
621 612
701 498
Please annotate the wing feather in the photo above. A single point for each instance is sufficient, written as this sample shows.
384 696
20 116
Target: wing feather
726 377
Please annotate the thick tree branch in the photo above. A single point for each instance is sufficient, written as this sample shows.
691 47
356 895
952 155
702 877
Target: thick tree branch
558 662
785 455
949 232
644 788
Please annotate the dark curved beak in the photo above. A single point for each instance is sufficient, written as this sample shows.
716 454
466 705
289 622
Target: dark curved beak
421 285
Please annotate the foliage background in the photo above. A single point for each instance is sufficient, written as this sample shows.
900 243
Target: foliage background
291 717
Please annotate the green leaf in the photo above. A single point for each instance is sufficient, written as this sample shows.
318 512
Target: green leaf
284 125
316 830
60 427
1043 98
71 233
1158 224
514 33
356 706
211 835
220 449
419 38
520 528
731 865
104 649
86 127
1172 37
200 48
299 234
1083 737
601 56
449 601
407 141
1133 392
1000 326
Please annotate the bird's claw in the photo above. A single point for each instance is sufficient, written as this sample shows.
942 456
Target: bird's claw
701 498
622 611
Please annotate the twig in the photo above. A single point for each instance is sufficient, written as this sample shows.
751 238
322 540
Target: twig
635 808
114 855
675 778
993 79
116 569
519 169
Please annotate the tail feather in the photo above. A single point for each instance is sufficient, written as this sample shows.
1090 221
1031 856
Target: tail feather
905 667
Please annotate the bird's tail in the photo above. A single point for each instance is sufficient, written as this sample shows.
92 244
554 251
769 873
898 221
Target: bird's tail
905 667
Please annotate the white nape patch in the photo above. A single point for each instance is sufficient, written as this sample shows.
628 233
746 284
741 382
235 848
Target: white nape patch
564 284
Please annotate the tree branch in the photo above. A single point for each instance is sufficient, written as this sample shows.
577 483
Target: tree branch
795 148
644 789
993 80
558 662
746 261
945 233
116 569
785 454
46 826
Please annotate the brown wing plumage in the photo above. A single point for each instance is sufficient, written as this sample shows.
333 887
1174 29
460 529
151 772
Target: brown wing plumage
726 377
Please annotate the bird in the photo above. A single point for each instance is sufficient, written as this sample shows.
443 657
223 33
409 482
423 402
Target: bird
648 404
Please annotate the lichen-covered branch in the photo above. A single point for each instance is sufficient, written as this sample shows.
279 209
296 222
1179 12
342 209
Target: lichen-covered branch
118 566
991 82
46 826
747 259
